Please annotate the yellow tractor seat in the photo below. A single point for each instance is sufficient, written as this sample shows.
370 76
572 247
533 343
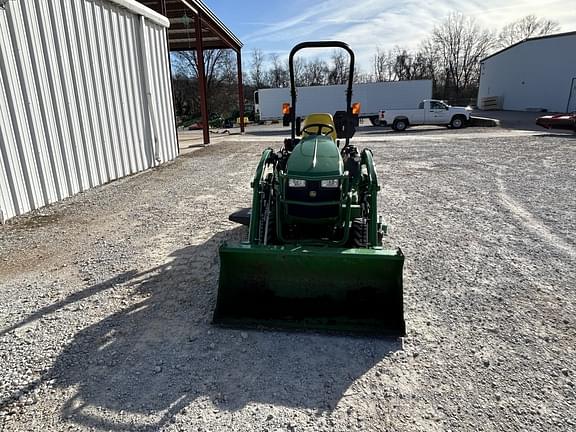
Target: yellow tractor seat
319 124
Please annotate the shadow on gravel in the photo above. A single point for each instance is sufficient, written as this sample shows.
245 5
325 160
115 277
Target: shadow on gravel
567 134
78 296
140 367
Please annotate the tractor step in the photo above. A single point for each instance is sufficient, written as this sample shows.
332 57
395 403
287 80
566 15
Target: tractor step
311 288
241 216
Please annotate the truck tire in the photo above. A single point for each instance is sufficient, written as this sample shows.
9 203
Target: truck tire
400 125
458 122
374 120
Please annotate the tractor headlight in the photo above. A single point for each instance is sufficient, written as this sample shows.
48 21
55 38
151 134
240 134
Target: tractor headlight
296 183
333 183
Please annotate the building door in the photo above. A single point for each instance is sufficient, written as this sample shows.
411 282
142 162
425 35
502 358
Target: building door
572 98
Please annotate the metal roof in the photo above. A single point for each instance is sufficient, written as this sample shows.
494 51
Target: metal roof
528 40
182 32
138 8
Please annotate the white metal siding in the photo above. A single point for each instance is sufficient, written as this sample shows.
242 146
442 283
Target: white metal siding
84 98
534 74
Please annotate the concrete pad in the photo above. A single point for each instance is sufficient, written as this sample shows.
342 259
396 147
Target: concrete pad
523 120
483 122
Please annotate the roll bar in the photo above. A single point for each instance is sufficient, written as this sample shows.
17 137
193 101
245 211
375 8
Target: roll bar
319 44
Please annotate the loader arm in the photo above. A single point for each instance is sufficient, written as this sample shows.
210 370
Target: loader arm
373 189
256 195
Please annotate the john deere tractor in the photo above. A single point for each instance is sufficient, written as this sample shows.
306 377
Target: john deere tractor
314 257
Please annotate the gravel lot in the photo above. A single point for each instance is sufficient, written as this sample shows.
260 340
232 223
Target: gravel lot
106 301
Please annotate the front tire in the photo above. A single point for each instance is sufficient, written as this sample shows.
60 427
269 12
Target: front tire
457 122
358 235
268 237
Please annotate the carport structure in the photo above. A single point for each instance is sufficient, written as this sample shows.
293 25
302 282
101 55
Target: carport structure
188 19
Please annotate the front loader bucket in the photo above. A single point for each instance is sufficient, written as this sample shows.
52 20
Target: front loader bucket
317 288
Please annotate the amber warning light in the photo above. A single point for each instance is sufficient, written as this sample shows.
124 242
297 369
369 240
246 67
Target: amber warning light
285 108
356 108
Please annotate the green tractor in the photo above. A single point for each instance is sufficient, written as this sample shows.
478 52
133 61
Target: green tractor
314 257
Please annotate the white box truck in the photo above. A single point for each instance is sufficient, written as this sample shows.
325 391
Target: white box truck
373 97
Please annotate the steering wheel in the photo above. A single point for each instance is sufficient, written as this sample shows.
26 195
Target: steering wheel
320 127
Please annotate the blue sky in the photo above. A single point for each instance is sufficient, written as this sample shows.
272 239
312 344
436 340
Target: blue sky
274 27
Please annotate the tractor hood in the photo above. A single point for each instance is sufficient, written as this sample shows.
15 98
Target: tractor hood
315 156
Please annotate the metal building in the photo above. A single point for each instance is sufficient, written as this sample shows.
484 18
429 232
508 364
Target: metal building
85 97
535 74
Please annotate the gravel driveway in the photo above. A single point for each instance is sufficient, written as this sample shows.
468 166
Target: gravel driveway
106 301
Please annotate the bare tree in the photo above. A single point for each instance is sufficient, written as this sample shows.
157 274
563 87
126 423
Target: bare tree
431 58
338 71
402 66
360 76
422 66
278 74
407 65
221 81
215 61
185 95
461 44
257 73
315 72
298 64
528 26
383 66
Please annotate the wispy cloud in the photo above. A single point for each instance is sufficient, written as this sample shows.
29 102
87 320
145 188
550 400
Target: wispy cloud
370 24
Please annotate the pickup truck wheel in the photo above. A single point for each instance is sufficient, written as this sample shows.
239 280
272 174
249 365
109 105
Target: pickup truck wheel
374 120
457 122
399 125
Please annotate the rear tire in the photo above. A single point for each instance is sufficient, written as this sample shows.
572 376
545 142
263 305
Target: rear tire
400 125
358 236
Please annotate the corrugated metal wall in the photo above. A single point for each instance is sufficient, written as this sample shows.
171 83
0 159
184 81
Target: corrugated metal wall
534 74
85 99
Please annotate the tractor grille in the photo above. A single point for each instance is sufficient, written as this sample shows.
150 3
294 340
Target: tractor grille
322 194
313 212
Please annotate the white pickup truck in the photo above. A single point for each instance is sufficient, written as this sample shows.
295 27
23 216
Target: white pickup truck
429 112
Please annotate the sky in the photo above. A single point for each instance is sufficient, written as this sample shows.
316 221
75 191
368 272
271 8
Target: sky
275 27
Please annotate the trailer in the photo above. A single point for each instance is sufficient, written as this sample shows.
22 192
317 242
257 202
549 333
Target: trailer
373 97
